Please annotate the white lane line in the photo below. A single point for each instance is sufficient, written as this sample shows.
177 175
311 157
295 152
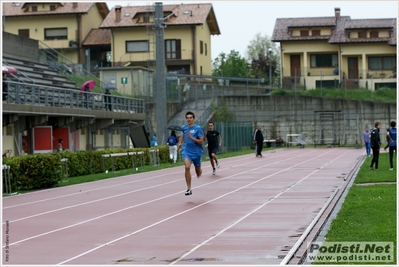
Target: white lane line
90 202
250 213
193 208
127 208
85 191
163 174
97 200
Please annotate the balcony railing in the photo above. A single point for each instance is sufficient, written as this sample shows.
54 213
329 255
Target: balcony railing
35 95
337 73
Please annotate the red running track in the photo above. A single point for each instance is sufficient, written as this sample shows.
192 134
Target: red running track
251 212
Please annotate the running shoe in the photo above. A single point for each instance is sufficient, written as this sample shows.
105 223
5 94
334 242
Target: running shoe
214 172
188 192
217 164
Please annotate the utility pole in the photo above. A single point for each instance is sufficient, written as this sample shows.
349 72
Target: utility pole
160 84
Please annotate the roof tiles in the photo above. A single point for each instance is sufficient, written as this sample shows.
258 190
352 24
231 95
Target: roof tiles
183 14
340 26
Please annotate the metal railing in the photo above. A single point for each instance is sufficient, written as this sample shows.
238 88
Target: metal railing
66 67
39 95
203 119
21 77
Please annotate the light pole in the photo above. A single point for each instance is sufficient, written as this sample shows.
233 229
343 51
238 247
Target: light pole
269 52
249 64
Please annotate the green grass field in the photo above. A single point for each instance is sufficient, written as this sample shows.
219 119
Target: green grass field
368 213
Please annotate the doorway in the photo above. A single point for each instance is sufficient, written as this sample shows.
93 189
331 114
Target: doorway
353 71
295 65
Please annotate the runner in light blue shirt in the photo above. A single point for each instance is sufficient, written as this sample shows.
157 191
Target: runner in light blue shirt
193 139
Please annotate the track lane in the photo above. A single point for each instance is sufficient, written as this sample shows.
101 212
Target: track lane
156 211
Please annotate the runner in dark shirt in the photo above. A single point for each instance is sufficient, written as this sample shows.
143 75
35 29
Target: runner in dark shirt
214 142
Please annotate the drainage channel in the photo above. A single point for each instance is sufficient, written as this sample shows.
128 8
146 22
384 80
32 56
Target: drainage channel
320 225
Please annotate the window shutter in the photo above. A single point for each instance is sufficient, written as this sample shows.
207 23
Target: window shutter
362 34
374 34
178 49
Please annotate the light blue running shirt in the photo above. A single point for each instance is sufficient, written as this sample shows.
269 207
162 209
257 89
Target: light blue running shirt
191 148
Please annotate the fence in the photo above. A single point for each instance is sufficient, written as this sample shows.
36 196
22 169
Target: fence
38 95
308 78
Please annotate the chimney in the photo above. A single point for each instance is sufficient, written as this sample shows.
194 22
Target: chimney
74 4
118 12
337 12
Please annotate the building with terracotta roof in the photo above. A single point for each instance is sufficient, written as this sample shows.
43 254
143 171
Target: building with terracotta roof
327 51
68 27
187 36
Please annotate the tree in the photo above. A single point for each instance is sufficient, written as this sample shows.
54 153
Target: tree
258 53
231 65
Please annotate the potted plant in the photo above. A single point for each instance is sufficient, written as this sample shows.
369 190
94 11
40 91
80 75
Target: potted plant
72 43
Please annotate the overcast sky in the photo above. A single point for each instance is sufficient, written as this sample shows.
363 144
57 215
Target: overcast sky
240 21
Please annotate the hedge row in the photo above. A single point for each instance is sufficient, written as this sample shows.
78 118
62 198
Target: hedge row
40 171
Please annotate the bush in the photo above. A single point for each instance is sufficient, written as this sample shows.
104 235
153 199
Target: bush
39 171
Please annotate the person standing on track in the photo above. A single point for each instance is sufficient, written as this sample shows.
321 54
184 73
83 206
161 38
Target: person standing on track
258 141
172 142
392 135
193 139
375 142
366 140
214 142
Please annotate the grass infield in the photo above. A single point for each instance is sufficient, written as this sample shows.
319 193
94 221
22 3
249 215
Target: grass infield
368 213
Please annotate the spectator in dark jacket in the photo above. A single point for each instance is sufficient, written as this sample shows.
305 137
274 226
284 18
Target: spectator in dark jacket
258 141
375 142
107 98
5 88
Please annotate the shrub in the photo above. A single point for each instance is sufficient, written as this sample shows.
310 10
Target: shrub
39 171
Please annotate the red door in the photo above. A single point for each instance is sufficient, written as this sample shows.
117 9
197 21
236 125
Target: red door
61 133
42 139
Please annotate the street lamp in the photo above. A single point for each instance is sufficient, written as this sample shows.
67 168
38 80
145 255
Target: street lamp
269 52
249 64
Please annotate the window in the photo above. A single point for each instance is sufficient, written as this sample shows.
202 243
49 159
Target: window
8 130
137 46
34 8
23 32
361 34
315 32
52 7
56 33
201 47
172 49
206 49
323 60
382 63
374 34
304 33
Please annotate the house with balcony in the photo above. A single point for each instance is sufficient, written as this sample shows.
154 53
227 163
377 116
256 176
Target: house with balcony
330 51
63 26
187 39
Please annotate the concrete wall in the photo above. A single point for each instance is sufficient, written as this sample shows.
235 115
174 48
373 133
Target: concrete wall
20 47
282 115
